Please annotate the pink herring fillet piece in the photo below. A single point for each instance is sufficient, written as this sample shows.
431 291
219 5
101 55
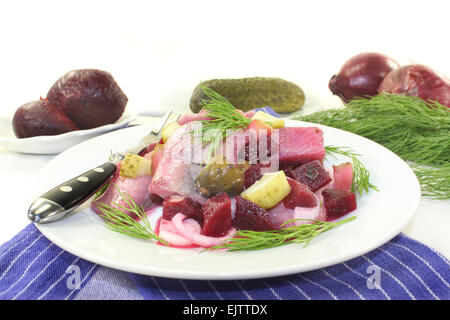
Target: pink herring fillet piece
185 118
233 146
299 145
136 188
174 175
203 115
343 176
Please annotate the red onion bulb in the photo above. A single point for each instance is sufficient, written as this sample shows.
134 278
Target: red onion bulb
420 81
361 75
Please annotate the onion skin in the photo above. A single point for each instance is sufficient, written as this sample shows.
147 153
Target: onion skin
420 81
361 75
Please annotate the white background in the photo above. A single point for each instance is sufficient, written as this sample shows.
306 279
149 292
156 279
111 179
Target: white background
159 51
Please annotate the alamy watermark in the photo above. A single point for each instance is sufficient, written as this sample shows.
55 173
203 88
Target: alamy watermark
73 281
374 280
249 146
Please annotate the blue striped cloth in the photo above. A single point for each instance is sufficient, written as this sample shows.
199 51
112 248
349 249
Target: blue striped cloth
32 267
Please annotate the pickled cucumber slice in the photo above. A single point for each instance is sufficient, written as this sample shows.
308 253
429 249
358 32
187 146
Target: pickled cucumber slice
168 130
269 190
275 123
134 166
219 177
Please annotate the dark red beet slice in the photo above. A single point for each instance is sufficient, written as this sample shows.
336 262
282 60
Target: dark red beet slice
300 196
89 97
156 199
217 216
288 171
250 216
312 174
40 118
178 204
253 174
338 202
254 151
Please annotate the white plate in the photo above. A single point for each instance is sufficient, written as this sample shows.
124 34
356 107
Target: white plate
380 216
57 143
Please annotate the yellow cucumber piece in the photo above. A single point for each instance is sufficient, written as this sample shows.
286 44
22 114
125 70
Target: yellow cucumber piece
134 166
269 190
274 122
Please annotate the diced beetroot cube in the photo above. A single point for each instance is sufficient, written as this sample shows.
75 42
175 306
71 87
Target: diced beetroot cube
250 216
254 147
178 204
156 199
343 176
288 171
300 196
338 202
217 216
253 174
312 174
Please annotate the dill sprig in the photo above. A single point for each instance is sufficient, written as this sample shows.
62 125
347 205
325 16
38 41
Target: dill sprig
435 182
416 130
259 240
223 119
361 176
117 219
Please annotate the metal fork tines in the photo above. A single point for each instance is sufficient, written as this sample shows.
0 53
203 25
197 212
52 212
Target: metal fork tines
156 131
152 137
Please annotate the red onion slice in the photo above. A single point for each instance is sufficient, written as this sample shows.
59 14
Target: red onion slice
190 230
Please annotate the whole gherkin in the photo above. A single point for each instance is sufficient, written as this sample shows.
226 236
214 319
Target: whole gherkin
250 93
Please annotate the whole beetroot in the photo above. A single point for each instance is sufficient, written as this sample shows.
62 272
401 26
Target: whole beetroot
40 118
361 75
420 81
89 97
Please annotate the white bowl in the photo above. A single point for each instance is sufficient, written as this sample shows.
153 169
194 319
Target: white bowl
56 143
